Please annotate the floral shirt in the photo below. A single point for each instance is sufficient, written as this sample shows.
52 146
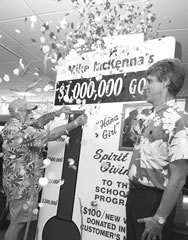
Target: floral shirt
22 145
163 139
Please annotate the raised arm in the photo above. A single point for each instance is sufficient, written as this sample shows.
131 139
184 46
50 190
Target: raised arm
57 132
46 118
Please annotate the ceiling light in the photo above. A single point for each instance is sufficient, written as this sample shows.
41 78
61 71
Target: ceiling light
27 94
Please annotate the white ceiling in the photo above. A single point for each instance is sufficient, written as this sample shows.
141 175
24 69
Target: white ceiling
171 20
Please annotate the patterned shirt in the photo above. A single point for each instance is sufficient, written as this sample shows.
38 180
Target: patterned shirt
22 148
163 139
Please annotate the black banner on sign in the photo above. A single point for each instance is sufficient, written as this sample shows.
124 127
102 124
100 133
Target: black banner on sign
110 88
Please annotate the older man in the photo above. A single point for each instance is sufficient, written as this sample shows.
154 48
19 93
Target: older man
23 139
159 163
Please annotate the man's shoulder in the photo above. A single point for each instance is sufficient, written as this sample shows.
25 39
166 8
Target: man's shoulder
182 112
12 123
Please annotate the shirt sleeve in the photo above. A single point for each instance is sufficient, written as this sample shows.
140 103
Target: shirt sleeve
178 146
11 132
43 120
35 137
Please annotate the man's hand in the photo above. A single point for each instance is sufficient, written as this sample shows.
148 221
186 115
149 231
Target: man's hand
152 229
81 120
64 109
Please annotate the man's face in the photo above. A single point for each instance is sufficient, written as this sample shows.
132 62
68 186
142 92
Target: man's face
153 89
25 114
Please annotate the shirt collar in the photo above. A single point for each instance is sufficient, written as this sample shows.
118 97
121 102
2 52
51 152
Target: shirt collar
165 105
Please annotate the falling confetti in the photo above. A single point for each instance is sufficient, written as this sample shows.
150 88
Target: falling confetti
98 77
61 182
94 203
41 205
45 49
42 39
6 78
71 164
78 101
17 31
21 63
33 19
87 34
16 71
38 90
71 161
47 162
35 211
43 181
63 24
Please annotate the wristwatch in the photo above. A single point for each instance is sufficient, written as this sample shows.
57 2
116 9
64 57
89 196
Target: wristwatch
159 219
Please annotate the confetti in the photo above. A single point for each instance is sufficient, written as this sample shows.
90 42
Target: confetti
45 49
78 101
33 19
16 71
41 205
17 31
47 162
94 203
71 161
42 39
6 78
86 35
35 211
61 182
98 77
43 181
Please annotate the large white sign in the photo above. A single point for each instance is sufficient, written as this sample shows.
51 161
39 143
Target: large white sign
108 86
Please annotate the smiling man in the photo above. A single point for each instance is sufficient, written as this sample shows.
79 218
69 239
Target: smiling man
23 140
159 163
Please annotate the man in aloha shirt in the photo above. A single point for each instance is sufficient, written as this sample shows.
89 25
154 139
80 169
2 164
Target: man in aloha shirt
23 140
159 163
